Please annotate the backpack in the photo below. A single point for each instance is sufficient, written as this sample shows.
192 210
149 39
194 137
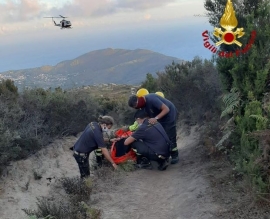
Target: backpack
120 152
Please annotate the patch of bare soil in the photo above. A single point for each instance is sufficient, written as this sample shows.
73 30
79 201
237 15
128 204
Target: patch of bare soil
195 188
232 193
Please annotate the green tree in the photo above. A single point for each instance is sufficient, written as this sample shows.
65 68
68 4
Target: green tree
193 87
8 87
249 75
150 83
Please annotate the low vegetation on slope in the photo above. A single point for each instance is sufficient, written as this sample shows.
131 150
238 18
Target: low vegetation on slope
31 119
34 117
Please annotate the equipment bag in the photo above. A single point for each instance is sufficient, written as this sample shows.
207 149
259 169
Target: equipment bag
120 152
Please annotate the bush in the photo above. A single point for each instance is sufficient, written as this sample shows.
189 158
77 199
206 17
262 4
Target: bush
35 117
72 205
194 88
8 88
118 108
77 188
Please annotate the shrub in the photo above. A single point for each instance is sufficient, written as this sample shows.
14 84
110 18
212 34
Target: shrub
71 205
78 188
8 88
127 166
194 88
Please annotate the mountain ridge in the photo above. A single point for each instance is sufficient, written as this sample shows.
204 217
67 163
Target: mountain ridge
119 66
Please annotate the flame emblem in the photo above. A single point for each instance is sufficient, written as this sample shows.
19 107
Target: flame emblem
229 21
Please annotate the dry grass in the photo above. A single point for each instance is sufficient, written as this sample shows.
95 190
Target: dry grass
74 203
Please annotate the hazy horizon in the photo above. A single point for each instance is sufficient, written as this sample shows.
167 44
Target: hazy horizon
168 27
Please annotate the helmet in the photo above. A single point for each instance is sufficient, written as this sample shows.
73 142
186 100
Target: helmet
160 94
142 92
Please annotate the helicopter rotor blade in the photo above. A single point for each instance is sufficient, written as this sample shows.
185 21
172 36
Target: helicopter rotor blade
62 16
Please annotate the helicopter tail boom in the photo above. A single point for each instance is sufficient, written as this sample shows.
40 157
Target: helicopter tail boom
56 24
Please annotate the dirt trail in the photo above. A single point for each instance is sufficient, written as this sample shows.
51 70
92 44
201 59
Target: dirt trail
183 191
177 193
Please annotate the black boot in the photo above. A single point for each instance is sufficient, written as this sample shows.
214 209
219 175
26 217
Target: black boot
143 163
99 161
174 154
163 164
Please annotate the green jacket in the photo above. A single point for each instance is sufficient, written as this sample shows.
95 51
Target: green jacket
134 127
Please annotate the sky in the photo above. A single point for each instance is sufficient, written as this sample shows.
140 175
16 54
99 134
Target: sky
29 40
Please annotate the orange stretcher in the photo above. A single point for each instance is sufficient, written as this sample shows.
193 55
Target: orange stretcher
119 152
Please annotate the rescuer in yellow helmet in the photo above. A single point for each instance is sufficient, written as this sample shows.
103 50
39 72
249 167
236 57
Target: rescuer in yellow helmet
163 111
160 94
142 92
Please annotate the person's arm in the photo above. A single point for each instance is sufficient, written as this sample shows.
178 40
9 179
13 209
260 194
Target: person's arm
129 140
110 139
114 139
139 134
107 155
155 102
164 111
106 139
98 135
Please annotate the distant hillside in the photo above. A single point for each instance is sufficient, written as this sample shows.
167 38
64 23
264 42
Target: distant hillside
117 66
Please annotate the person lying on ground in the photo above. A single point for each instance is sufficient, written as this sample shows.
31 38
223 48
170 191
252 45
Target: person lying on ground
150 142
159 110
131 128
91 139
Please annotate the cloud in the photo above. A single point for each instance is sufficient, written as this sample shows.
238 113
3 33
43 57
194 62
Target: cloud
20 11
27 10
97 8
147 16
86 8
142 4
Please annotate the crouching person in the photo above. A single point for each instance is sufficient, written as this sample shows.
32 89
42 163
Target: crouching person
149 142
90 140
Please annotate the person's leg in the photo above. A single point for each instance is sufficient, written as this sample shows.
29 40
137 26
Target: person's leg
98 153
145 155
83 163
142 154
170 129
163 162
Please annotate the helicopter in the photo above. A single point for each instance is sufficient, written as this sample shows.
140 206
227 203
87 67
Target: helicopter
63 23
